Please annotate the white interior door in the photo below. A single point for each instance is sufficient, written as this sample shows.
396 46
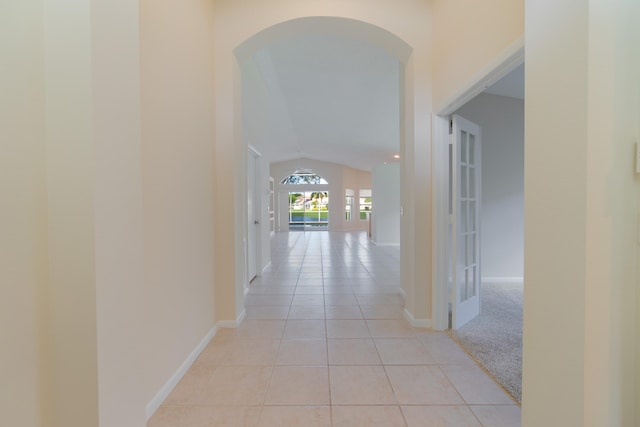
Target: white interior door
465 241
253 215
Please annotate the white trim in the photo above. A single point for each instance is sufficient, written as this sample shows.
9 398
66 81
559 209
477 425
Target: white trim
403 294
166 389
233 323
268 264
503 280
246 290
253 150
385 244
440 223
508 60
417 323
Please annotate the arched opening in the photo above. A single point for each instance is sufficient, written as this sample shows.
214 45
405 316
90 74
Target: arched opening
331 88
242 38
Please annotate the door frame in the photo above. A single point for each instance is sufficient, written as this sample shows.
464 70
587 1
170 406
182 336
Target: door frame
507 61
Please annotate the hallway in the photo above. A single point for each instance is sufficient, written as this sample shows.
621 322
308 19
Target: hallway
324 343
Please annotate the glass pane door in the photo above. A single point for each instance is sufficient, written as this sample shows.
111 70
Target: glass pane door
308 210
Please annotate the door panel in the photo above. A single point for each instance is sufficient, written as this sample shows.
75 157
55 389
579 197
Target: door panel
252 216
465 239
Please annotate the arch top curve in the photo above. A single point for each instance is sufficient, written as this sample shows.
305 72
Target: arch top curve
330 25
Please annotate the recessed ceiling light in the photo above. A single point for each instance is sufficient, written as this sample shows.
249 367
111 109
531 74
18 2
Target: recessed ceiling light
396 156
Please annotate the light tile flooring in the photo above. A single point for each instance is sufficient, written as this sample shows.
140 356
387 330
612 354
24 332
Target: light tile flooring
324 343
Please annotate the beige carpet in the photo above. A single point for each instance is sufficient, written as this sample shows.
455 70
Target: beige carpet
494 338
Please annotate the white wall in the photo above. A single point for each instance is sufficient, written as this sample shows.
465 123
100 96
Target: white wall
339 178
582 113
385 222
502 217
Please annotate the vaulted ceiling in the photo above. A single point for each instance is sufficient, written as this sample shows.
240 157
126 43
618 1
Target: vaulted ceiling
328 97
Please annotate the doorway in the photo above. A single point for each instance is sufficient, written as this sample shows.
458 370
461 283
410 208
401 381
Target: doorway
494 337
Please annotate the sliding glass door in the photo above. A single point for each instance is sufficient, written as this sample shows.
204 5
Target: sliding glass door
308 210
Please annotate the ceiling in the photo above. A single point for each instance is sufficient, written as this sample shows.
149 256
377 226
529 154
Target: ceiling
327 97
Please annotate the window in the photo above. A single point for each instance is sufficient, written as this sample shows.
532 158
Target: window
348 203
308 210
365 204
304 178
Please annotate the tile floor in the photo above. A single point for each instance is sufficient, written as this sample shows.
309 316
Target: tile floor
324 343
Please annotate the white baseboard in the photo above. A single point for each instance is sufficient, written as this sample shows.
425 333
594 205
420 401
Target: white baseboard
417 323
385 244
233 323
166 389
164 392
501 280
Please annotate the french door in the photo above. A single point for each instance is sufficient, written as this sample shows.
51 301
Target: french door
465 220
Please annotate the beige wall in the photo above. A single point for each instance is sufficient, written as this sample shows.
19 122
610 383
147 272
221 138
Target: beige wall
22 213
581 257
87 337
468 36
178 164
119 252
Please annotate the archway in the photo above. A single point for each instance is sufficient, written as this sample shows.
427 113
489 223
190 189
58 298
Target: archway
414 137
